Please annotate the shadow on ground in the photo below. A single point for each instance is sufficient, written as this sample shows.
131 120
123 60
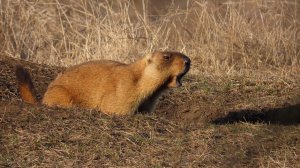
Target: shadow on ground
288 115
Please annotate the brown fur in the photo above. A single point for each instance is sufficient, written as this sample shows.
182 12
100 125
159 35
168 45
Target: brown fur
113 87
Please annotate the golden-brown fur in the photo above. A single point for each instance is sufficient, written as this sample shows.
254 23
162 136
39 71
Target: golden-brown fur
116 88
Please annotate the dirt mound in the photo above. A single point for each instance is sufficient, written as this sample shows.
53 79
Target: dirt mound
178 134
42 75
202 99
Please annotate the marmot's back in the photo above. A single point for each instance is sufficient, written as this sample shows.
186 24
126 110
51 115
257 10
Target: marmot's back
88 84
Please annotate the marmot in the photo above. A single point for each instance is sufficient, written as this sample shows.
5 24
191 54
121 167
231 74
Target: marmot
111 87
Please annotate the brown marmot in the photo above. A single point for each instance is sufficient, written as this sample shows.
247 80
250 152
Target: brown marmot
109 86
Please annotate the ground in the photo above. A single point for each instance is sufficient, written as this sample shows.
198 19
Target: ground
213 121
239 105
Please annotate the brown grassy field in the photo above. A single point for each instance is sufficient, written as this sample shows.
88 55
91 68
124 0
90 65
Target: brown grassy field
239 106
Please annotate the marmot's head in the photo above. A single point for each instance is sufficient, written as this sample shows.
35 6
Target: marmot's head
171 65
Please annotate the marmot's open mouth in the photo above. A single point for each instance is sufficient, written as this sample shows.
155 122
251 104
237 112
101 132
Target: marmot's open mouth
186 69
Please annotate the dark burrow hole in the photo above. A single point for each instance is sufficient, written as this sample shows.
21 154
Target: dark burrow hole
288 115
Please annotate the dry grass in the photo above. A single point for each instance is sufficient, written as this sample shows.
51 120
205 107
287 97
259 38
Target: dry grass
219 37
246 66
46 137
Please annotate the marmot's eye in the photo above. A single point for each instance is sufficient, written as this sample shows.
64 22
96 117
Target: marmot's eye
167 56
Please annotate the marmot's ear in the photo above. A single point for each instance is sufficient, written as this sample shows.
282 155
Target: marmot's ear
149 58
150 55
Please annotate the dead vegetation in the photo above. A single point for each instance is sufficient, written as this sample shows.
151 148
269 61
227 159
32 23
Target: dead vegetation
239 106
220 36
44 137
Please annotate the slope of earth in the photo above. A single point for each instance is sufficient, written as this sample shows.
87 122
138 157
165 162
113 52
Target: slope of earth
213 121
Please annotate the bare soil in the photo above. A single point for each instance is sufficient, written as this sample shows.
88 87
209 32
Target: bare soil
213 121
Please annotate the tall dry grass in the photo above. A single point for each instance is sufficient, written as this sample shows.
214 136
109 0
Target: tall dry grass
219 36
